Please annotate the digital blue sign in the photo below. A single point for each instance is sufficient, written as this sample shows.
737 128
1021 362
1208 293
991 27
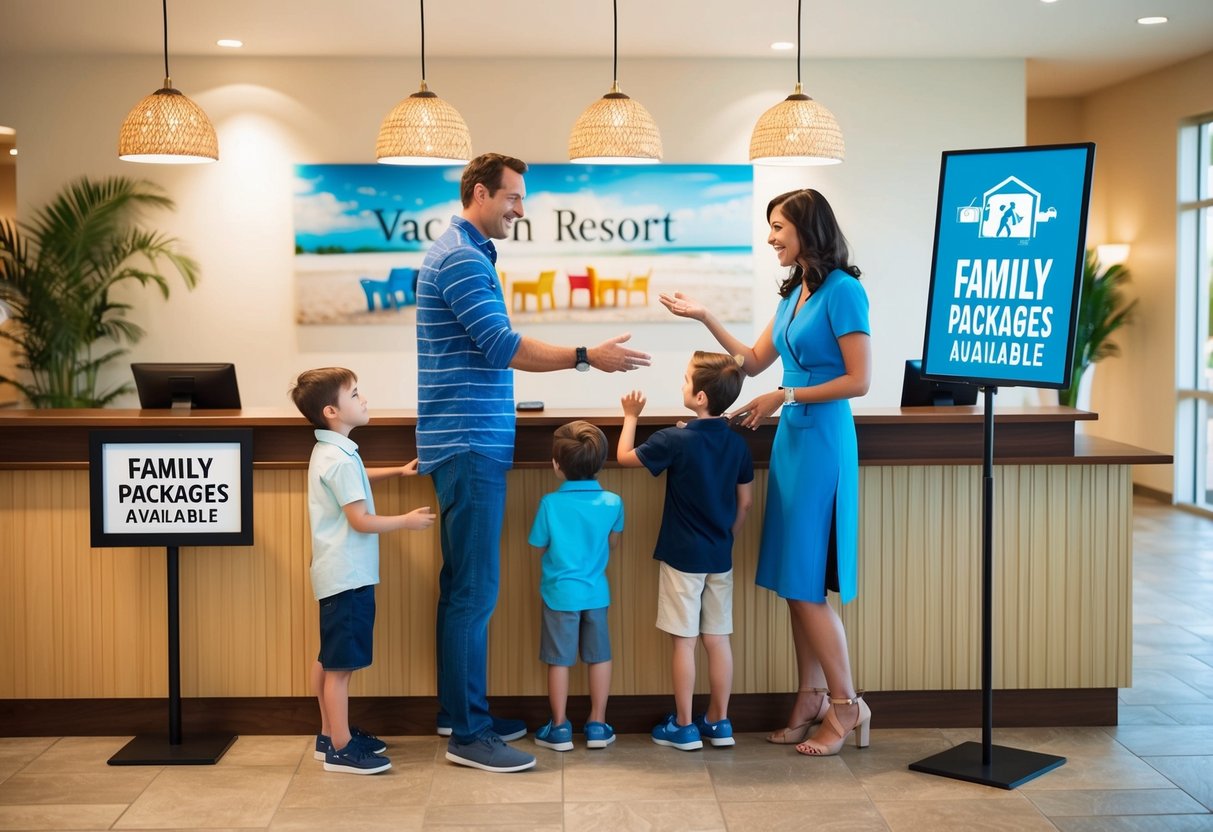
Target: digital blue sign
1010 231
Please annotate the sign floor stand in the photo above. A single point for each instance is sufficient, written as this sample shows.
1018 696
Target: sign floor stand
173 750
983 762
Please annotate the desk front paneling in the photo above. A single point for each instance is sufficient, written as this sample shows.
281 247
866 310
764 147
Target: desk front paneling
83 623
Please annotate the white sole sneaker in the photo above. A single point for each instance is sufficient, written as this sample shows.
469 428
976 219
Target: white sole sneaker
567 745
681 746
337 767
722 742
600 743
463 761
444 732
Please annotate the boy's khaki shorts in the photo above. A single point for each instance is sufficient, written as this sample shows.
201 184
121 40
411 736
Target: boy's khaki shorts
695 603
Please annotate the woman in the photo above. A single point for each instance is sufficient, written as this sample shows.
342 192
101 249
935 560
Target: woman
820 332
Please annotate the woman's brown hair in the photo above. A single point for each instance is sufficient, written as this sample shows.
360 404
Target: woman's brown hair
823 248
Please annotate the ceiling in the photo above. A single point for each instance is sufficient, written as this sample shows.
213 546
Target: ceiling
1071 46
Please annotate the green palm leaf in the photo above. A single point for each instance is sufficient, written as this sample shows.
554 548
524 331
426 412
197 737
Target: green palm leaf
1102 310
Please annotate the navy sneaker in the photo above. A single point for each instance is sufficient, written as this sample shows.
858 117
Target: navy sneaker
556 737
355 759
508 729
598 735
717 733
488 753
682 737
368 741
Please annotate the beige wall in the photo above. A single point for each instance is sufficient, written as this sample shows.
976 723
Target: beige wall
235 216
1135 127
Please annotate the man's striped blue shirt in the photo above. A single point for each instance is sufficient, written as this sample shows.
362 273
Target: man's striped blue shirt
465 387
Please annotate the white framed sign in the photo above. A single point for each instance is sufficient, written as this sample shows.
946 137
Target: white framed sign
154 487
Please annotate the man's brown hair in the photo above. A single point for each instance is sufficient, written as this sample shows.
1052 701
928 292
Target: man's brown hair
580 449
486 169
719 376
315 390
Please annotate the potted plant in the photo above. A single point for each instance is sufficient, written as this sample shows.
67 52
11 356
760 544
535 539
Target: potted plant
56 274
1101 311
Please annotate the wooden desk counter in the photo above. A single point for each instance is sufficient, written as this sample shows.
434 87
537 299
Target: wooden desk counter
85 624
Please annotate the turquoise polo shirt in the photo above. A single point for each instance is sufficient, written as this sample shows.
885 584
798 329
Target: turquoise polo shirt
573 525
342 558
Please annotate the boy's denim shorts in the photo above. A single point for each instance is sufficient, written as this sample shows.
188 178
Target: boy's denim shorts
347 626
564 631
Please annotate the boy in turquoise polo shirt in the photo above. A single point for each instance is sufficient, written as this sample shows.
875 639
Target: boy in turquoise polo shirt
577 527
345 559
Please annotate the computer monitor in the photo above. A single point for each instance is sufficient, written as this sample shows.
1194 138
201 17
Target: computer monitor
187 386
917 391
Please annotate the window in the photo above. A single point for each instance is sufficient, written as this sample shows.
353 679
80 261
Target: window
1194 262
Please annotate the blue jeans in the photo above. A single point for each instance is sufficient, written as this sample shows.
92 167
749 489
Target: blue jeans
471 500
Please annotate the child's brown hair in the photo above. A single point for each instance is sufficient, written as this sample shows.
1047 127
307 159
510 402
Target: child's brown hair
719 376
315 390
580 449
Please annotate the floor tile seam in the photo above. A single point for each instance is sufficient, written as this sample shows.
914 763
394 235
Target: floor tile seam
1180 786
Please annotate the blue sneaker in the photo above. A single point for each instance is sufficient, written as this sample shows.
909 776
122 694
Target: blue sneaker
556 737
355 759
717 733
368 741
682 737
598 735
488 753
508 729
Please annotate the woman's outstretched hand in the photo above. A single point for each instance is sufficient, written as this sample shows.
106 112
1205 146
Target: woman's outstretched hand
683 306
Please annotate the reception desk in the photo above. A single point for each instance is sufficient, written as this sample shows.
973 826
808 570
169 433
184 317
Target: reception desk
86 627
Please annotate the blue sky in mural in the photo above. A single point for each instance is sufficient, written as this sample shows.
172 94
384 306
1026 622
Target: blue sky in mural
572 209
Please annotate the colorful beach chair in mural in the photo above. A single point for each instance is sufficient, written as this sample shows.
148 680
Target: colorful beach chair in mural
602 285
582 281
397 292
637 283
541 288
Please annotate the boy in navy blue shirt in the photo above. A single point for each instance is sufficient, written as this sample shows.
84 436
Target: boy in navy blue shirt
708 492
577 528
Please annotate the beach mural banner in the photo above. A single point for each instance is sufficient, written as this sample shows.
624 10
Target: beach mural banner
596 242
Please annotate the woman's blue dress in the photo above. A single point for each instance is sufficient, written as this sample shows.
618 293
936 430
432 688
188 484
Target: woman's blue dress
813 483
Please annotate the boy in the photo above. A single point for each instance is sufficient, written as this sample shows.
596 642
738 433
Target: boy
708 492
345 559
577 528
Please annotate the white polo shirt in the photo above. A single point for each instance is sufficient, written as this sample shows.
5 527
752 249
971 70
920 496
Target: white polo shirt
342 558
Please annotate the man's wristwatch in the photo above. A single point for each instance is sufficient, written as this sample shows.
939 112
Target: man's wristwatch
789 395
583 360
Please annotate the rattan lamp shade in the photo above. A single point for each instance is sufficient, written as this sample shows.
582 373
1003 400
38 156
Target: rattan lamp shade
167 128
617 130
797 131
423 130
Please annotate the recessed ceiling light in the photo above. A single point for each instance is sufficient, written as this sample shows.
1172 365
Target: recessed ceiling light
1151 21
783 44
7 131
230 43
1048 1
12 151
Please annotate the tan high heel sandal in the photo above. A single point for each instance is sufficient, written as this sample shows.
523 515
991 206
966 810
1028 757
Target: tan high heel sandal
861 729
794 734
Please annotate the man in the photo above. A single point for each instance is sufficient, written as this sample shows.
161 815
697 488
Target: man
466 355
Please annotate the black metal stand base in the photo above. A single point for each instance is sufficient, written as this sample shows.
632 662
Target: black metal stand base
1008 768
156 750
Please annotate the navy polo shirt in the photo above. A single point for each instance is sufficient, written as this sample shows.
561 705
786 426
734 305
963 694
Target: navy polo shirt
705 462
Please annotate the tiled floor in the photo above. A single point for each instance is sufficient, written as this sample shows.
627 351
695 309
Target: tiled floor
1153 772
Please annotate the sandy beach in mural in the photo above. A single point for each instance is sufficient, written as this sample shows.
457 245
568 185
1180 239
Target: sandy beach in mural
329 291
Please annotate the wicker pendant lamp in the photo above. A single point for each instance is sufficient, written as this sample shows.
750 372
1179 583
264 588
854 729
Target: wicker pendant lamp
423 129
797 130
166 127
615 129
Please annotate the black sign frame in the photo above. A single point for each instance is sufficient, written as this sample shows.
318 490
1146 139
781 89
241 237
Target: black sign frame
99 439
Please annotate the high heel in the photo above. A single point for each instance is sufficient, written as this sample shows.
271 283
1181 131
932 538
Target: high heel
861 729
794 734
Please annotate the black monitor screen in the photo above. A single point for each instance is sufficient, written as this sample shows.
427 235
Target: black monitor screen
209 386
917 391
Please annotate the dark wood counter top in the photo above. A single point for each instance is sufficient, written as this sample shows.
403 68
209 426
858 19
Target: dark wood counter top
887 436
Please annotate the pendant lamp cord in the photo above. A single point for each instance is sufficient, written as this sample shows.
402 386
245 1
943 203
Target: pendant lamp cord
615 52
799 20
164 16
423 41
